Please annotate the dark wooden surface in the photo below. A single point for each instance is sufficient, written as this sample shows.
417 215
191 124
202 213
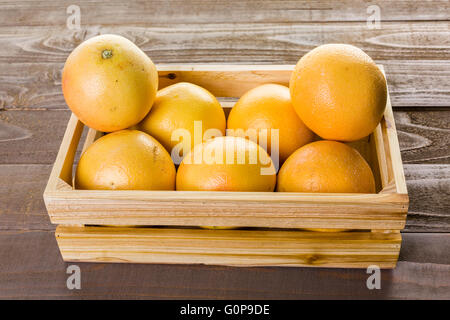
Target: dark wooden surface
412 42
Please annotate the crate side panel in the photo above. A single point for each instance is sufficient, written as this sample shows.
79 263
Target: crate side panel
228 247
225 80
254 212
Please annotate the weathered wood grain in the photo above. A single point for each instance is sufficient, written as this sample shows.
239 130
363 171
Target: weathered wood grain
31 136
429 190
424 137
21 204
415 54
32 268
116 12
28 136
238 42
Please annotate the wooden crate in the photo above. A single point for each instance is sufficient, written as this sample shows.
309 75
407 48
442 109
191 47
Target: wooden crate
122 226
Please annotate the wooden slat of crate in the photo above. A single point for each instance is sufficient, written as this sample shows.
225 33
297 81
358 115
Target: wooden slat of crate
287 210
225 80
229 247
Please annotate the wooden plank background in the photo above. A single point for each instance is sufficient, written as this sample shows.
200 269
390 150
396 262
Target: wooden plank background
413 43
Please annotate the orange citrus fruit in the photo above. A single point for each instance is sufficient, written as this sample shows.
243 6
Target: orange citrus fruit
226 164
127 160
109 83
338 92
175 111
326 166
269 107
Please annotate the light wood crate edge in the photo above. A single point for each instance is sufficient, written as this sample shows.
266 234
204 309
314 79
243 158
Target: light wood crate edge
242 248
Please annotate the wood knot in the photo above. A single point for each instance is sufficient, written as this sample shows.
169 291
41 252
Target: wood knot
312 259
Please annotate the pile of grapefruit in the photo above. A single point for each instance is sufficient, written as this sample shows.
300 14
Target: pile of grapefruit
276 138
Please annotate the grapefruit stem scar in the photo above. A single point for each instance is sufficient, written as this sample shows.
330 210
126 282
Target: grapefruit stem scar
106 54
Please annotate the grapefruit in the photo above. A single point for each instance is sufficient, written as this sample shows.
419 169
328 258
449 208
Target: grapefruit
226 164
268 107
175 112
109 83
127 160
338 92
326 166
